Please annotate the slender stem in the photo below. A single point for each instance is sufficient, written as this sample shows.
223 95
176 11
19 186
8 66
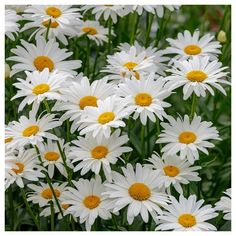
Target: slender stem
193 106
114 222
48 28
95 62
49 182
29 209
12 213
52 216
67 131
158 133
59 146
109 34
143 141
136 20
149 26
88 56
148 140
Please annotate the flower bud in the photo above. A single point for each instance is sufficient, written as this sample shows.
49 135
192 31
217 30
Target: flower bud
7 71
222 37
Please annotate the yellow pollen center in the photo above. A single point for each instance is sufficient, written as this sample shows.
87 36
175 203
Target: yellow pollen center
53 11
65 206
52 156
143 99
99 152
139 191
187 220
8 140
187 137
40 89
53 24
31 130
47 193
87 101
171 171
130 65
89 30
106 117
192 50
196 76
42 62
20 169
91 201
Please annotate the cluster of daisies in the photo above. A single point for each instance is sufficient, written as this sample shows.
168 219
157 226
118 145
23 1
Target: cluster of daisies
89 177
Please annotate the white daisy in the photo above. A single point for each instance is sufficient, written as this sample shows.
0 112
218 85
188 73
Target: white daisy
128 63
8 138
98 121
51 156
145 97
187 138
173 171
224 204
64 15
11 25
56 30
93 31
187 45
154 9
87 202
137 190
43 194
32 130
43 55
197 76
93 154
21 165
157 55
187 215
80 94
17 8
39 86
112 11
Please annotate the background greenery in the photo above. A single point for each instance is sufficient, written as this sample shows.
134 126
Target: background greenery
216 168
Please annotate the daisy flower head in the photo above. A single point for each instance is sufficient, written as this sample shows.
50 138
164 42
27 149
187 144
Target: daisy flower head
8 138
94 31
125 64
187 214
173 171
188 46
51 156
32 130
56 30
94 155
154 9
145 97
11 25
63 15
108 11
138 190
224 204
42 194
39 86
43 55
22 165
79 95
87 202
98 121
197 76
152 52
187 137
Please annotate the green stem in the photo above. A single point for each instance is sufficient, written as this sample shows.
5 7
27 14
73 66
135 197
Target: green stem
29 209
52 216
143 142
148 140
88 56
67 131
12 213
47 32
109 34
136 21
114 222
159 30
59 146
49 182
158 133
149 26
95 62
193 106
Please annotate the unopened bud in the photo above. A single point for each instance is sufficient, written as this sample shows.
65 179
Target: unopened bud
222 37
7 71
